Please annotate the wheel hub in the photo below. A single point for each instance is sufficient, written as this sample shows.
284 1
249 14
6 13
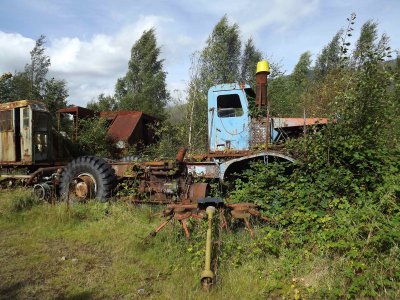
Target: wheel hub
85 186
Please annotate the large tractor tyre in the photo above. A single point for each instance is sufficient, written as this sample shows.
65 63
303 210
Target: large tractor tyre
87 177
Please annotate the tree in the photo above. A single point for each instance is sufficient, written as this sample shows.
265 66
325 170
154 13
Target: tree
33 84
368 46
143 87
196 109
301 71
300 79
55 94
37 70
249 60
217 63
5 87
103 103
93 138
220 59
329 58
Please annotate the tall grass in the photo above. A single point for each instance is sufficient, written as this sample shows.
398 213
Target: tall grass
102 250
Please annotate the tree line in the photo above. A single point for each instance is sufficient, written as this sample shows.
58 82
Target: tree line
34 83
310 90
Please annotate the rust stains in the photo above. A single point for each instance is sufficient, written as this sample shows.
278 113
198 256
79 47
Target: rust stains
123 126
297 122
36 105
79 111
130 127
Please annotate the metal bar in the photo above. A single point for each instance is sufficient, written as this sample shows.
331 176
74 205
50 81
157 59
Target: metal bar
207 276
185 228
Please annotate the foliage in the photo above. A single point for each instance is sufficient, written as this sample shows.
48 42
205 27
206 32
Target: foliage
221 56
55 94
103 103
105 252
38 68
5 87
196 109
143 87
250 57
170 139
287 93
368 45
329 58
14 87
220 61
93 138
342 200
32 83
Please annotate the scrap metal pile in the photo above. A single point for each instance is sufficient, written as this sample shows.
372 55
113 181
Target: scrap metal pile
206 208
184 212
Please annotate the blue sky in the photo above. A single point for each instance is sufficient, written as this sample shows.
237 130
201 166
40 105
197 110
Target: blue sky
89 41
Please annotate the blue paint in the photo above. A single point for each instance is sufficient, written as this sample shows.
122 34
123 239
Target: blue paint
229 122
228 118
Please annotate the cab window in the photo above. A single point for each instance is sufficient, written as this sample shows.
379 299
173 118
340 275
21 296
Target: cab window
229 106
6 120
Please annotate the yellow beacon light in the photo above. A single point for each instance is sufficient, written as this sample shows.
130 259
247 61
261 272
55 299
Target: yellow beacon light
262 67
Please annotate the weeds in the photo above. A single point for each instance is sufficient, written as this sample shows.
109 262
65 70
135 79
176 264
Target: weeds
100 250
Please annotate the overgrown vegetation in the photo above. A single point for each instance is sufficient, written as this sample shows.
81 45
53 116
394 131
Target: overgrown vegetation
341 202
33 83
97 250
334 217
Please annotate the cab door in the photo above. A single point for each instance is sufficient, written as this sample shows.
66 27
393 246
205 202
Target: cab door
26 134
7 153
230 130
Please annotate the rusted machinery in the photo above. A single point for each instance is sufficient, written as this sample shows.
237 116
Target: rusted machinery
206 208
37 155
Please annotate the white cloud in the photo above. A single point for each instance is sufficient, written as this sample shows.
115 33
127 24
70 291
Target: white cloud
92 66
255 15
14 49
281 14
102 54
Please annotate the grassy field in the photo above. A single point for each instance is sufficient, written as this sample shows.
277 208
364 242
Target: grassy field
100 250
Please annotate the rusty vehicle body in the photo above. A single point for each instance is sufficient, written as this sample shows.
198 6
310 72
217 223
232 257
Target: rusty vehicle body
235 138
27 139
22 141
125 128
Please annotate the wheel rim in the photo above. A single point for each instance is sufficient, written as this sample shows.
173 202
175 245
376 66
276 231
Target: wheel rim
84 186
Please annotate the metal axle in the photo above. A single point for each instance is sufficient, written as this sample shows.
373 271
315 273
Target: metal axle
207 276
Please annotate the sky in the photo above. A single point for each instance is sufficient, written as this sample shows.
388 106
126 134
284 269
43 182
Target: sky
89 41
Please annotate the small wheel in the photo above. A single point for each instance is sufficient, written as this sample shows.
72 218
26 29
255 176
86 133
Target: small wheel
87 177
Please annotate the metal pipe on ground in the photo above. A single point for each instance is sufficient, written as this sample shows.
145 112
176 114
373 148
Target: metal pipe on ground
207 276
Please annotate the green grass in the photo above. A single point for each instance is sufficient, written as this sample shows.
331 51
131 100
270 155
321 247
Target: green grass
100 250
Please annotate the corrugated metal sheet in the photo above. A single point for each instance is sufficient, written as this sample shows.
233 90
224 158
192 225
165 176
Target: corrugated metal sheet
297 122
79 111
123 126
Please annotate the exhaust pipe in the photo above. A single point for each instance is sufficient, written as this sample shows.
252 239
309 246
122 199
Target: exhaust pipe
261 83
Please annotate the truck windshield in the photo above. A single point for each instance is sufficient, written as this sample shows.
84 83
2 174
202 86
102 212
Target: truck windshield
229 106
40 121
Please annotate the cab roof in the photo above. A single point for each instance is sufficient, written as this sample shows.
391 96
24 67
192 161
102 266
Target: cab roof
36 105
231 87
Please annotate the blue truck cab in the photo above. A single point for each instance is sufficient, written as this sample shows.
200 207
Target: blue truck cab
233 130
228 117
